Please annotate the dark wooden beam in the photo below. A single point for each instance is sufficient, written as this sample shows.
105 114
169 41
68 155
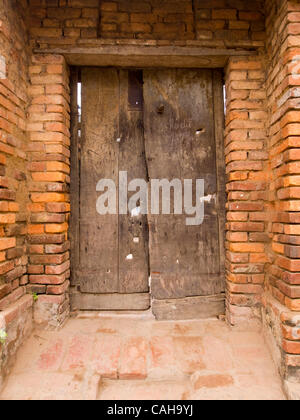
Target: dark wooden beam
146 56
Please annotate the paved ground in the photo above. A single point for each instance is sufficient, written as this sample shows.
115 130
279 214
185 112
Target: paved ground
133 357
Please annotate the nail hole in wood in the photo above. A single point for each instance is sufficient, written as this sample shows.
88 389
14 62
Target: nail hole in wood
200 131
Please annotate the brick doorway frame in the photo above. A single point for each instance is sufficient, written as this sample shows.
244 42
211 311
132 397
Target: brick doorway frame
211 305
244 153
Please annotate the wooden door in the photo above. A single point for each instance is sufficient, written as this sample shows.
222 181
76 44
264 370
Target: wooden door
183 138
153 124
112 271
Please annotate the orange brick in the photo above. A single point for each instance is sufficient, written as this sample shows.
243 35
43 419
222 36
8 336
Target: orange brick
291 347
49 176
56 228
7 218
237 216
36 229
55 68
36 208
6 243
293 305
243 247
48 197
237 236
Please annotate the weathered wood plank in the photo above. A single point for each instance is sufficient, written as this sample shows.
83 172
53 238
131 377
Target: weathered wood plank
180 143
110 302
219 118
133 227
75 181
99 157
113 248
145 56
189 308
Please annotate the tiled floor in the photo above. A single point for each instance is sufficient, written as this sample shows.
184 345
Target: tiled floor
131 357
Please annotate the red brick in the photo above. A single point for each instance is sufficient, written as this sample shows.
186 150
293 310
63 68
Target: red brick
213 381
133 362
189 353
51 358
291 347
107 355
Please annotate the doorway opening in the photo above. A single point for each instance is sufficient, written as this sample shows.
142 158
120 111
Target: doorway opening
141 127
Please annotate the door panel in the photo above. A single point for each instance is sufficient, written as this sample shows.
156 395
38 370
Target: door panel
106 241
180 143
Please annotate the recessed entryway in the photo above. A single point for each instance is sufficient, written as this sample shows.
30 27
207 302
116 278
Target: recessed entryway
164 125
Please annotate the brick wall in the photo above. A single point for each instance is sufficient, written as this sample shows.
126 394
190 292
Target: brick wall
246 156
261 140
282 300
70 19
218 23
15 306
48 126
221 22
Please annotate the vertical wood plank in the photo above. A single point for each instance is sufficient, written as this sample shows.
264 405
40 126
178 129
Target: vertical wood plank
75 180
219 119
113 248
99 160
133 227
180 143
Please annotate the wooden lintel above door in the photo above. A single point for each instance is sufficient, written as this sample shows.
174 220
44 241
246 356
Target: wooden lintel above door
146 55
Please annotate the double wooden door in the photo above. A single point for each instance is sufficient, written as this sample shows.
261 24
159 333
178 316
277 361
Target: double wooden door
149 125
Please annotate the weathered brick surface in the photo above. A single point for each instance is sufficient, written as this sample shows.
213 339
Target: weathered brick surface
262 146
246 157
13 157
283 274
49 167
15 307
222 23
17 322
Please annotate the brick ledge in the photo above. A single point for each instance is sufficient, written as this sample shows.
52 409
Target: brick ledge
15 310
